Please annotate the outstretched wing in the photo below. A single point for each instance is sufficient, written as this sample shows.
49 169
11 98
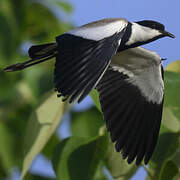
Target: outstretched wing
81 60
131 97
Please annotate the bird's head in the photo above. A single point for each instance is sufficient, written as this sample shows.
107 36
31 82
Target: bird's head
146 31
155 27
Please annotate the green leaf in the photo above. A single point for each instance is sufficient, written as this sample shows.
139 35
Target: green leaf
100 175
167 145
169 120
42 124
174 67
177 177
7 159
6 38
34 80
162 152
172 89
168 141
95 97
169 170
37 177
51 144
65 6
176 159
118 167
40 29
78 158
86 123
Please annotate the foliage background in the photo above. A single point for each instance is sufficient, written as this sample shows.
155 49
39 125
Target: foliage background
30 111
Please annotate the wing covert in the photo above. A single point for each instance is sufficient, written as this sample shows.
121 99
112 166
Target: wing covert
80 63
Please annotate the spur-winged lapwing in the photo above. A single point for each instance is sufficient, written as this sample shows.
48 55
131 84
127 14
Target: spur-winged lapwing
105 55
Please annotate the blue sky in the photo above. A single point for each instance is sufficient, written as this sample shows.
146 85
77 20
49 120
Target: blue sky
164 11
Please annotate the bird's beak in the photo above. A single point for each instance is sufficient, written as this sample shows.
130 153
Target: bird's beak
165 33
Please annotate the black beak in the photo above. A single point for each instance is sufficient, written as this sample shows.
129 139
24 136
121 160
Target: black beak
165 33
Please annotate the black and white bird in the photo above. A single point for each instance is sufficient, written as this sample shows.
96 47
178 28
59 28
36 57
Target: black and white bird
105 55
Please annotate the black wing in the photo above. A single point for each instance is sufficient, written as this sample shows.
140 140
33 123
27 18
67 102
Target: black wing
133 121
80 63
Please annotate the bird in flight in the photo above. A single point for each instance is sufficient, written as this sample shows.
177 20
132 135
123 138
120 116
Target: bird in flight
105 55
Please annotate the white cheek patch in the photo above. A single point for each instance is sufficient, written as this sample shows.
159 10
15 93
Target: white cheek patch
141 33
99 32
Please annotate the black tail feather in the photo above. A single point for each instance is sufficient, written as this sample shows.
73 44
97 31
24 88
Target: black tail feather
39 53
41 50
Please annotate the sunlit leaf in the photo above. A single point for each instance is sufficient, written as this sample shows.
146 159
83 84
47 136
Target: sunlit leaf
42 124
95 97
172 89
170 120
118 167
77 158
177 177
100 175
174 67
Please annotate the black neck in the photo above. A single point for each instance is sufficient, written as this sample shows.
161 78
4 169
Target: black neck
126 37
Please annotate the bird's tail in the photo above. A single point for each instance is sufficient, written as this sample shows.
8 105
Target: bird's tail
38 54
